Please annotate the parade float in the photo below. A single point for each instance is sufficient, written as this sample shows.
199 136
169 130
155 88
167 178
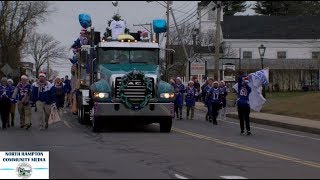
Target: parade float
118 78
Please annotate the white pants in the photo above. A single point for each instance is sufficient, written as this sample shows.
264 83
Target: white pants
45 111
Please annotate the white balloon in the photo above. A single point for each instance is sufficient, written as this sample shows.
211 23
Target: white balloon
115 3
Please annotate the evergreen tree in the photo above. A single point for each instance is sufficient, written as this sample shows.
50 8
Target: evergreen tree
287 8
232 7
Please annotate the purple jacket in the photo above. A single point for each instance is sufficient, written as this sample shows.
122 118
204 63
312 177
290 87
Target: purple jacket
178 92
191 96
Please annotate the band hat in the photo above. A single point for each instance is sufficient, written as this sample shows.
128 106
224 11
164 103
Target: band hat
24 77
178 78
191 82
10 80
215 82
42 74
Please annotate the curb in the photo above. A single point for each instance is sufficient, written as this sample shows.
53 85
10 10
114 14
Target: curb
280 124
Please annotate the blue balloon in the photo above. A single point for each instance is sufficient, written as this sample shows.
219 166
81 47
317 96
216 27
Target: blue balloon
85 20
159 25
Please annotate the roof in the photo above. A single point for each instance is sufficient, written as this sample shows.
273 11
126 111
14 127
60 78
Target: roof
271 27
138 44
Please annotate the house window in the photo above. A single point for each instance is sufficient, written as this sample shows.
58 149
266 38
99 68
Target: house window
247 55
316 55
282 55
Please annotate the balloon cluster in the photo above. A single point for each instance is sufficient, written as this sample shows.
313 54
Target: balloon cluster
83 39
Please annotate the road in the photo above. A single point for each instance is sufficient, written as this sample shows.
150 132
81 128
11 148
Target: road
194 149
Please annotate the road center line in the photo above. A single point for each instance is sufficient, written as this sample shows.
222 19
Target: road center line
233 177
247 148
281 132
180 177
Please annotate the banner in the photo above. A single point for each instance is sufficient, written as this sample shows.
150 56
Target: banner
24 165
256 80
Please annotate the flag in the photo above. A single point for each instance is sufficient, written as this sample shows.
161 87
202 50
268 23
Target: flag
256 80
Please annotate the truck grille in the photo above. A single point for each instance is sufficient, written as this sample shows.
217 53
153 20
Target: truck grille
135 91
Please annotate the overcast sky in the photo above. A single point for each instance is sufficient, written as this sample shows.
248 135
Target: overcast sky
65 27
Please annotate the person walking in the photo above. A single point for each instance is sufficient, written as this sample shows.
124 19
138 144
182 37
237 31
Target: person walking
43 97
243 103
22 93
203 92
67 83
5 103
197 86
178 102
215 101
12 106
207 98
191 93
59 93
224 93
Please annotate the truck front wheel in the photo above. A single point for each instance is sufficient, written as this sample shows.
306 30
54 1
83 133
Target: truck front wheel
165 125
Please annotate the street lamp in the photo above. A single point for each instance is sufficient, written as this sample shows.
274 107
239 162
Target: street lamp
262 50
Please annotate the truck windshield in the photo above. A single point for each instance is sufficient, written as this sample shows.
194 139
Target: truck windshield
125 56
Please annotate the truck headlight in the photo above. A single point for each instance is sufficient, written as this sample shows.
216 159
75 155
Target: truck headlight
101 95
166 95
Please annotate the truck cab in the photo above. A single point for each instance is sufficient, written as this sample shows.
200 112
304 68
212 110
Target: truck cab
126 85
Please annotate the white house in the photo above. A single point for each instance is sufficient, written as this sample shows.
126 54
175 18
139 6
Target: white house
292 46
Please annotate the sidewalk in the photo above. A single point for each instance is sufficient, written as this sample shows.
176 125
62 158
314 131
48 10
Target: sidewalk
298 124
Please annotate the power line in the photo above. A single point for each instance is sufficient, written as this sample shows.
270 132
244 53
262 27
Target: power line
193 16
195 20
188 2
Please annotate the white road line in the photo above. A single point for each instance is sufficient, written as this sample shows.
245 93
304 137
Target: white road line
281 132
233 177
179 176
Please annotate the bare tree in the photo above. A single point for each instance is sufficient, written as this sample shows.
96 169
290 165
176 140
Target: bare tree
43 48
17 19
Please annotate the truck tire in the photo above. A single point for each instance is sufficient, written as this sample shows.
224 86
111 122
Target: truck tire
165 125
96 124
80 115
86 115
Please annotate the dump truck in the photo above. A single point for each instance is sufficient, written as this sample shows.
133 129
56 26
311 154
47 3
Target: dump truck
123 83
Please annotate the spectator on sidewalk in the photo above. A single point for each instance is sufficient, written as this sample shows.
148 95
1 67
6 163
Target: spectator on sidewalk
243 103
179 89
44 98
224 93
207 98
12 106
215 101
5 95
22 93
191 93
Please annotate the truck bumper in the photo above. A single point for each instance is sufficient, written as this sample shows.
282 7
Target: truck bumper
119 110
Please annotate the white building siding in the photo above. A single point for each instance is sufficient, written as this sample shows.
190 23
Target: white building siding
298 49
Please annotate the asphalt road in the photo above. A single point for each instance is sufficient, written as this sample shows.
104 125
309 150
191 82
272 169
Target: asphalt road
194 149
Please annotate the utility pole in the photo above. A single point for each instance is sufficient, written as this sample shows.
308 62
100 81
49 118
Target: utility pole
217 39
150 31
180 39
167 37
